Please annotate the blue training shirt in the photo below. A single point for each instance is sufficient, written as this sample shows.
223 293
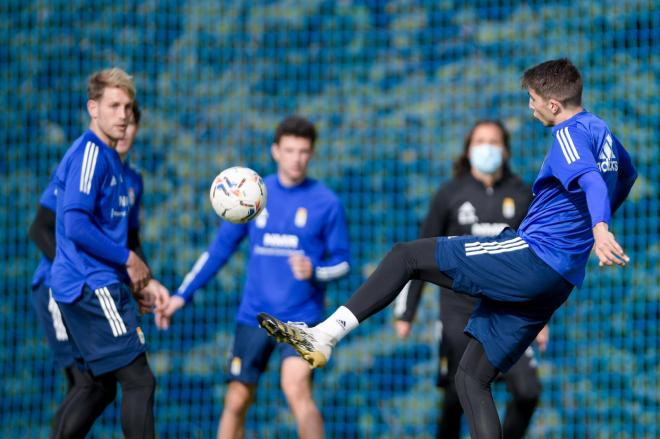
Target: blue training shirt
48 200
306 219
89 178
558 224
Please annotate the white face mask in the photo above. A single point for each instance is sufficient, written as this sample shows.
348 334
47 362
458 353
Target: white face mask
486 158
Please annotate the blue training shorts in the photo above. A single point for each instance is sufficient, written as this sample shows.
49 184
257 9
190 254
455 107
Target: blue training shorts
251 351
50 319
519 292
103 325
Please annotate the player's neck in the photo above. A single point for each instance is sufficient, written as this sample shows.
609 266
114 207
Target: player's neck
567 113
289 182
102 136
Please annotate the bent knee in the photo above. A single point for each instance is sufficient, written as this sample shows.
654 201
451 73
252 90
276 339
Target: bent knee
144 381
106 391
238 398
461 381
402 250
297 392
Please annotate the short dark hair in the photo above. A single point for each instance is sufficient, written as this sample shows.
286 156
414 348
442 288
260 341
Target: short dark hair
296 126
555 79
137 114
462 164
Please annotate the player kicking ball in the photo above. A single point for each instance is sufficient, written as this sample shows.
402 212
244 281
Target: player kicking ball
521 277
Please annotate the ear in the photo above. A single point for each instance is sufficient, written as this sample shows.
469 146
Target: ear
275 151
555 106
92 108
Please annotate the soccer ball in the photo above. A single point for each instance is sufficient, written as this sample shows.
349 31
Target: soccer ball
238 194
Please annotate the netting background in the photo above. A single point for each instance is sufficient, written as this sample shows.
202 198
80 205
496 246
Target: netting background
393 87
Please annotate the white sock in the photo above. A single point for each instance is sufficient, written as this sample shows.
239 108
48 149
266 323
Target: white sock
340 323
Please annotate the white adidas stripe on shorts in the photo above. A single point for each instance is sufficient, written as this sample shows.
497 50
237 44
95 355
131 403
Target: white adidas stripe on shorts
110 310
494 247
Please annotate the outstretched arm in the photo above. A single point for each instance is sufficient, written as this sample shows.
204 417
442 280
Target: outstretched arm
606 247
225 243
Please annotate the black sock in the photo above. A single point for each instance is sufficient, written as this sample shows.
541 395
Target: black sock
410 260
473 378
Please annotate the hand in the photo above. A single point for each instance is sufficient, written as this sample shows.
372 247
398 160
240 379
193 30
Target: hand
301 266
146 300
542 339
154 296
606 248
138 272
402 328
164 314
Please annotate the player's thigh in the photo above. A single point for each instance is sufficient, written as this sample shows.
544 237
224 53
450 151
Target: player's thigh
522 380
251 350
239 396
295 374
502 268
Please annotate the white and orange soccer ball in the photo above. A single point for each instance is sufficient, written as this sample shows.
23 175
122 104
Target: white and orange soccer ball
238 194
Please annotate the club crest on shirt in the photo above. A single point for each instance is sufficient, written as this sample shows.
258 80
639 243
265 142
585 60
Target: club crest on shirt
301 217
508 207
467 214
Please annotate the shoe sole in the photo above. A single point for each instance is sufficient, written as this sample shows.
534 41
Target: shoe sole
285 333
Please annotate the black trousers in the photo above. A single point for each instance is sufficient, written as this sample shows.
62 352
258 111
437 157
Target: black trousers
521 380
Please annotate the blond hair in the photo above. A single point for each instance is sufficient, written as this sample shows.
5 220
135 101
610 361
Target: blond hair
113 77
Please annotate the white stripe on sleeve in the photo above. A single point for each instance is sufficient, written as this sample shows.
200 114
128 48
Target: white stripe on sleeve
85 164
564 148
332 272
88 167
193 273
571 145
88 185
